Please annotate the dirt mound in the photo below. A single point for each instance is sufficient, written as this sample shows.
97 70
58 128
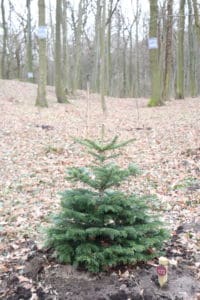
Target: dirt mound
42 278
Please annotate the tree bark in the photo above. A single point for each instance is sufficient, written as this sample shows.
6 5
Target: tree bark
154 57
180 52
65 45
192 55
41 92
59 84
137 85
196 17
78 35
5 37
102 57
29 55
168 52
96 68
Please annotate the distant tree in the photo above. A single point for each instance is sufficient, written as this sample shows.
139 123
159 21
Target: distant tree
180 52
5 38
112 7
78 30
29 48
192 54
168 52
197 17
41 93
59 84
96 63
154 58
102 56
137 17
65 44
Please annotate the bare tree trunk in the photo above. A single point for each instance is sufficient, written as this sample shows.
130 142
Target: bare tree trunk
59 84
96 68
111 9
196 17
65 45
137 85
154 58
102 57
5 36
29 55
192 55
168 52
78 36
108 65
180 52
118 81
124 69
41 93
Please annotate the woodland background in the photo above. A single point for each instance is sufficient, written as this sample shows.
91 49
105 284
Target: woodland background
104 44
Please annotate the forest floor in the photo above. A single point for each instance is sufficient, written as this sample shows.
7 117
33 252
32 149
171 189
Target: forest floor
37 146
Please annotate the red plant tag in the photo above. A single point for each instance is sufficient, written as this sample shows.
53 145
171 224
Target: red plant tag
161 270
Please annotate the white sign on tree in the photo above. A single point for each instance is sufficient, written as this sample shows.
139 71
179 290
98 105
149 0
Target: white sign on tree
1 31
153 43
30 75
42 32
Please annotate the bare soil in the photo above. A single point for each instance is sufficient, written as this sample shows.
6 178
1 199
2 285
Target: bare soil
41 277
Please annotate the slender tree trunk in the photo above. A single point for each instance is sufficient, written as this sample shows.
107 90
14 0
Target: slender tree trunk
124 69
41 93
96 69
65 45
51 48
59 84
118 81
154 58
168 52
196 17
78 36
137 85
180 52
192 55
130 65
102 57
108 65
29 55
5 37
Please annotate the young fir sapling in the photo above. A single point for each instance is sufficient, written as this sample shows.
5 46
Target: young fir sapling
98 227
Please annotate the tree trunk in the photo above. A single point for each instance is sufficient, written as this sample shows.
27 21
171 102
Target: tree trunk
65 45
29 55
154 58
78 36
196 17
124 69
41 92
96 68
137 85
180 52
102 57
108 65
59 84
5 36
168 52
192 55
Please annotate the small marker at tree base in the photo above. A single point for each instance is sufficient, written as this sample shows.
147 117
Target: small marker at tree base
162 271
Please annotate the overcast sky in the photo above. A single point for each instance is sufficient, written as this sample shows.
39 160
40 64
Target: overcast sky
127 5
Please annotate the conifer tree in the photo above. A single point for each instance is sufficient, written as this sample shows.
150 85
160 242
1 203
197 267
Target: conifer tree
99 227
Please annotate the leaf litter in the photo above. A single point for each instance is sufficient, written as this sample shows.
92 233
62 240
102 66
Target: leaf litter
36 147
